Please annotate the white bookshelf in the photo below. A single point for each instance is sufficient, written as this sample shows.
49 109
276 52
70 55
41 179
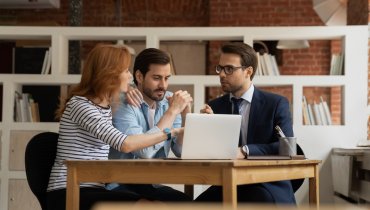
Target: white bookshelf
316 141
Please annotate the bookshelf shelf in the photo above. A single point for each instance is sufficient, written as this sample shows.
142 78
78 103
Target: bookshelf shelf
29 126
354 39
300 80
28 79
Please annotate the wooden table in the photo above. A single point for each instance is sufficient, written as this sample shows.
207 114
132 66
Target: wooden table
216 206
226 173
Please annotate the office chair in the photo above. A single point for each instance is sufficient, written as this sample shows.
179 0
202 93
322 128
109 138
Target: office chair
297 183
39 158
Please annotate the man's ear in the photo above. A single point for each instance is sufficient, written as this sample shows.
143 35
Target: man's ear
249 71
139 76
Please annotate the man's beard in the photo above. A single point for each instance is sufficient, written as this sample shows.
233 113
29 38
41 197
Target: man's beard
231 88
151 93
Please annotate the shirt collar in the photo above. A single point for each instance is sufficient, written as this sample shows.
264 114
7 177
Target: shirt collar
248 95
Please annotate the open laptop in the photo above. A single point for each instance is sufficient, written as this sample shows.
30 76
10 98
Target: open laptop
211 136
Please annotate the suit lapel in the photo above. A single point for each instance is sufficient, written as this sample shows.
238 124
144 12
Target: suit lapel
226 105
230 105
256 107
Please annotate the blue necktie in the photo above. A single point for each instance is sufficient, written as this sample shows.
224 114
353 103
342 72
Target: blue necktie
236 106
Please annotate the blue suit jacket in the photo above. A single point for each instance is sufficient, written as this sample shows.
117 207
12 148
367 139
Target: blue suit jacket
267 111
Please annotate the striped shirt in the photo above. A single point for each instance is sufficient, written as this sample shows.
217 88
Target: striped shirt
85 133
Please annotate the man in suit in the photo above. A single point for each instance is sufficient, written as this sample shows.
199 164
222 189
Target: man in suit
261 112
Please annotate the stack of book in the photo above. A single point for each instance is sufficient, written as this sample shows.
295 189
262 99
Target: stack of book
26 109
267 65
316 113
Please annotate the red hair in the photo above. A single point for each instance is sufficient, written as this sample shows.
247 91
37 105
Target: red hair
100 77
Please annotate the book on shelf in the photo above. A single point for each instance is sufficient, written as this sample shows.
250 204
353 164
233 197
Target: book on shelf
29 60
35 114
17 107
341 65
275 67
43 70
336 64
48 101
263 65
25 105
306 120
317 113
322 114
310 114
326 111
267 65
21 108
33 99
259 65
48 62
332 63
26 109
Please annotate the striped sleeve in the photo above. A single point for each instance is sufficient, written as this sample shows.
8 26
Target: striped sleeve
91 119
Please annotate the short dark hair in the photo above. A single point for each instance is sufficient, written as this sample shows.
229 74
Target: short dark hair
147 57
248 56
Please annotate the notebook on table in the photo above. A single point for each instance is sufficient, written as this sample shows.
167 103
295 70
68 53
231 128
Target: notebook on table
275 157
211 136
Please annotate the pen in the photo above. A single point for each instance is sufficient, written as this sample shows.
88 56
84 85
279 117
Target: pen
280 132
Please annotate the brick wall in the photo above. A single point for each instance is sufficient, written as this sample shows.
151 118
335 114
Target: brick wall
103 13
358 12
165 12
262 13
22 17
312 61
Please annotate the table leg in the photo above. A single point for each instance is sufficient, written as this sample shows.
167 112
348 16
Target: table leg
314 198
229 188
73 190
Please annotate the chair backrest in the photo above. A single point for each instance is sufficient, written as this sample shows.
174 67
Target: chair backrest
39 159
297 183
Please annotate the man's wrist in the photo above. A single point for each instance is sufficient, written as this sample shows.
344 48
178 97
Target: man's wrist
171 111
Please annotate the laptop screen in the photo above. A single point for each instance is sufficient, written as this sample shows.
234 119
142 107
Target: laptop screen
211 136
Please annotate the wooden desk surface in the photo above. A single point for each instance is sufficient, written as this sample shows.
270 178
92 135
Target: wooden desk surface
188 171
227 173
209 206
235 163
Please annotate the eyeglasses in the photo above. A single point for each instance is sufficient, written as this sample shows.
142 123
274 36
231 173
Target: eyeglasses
227 69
